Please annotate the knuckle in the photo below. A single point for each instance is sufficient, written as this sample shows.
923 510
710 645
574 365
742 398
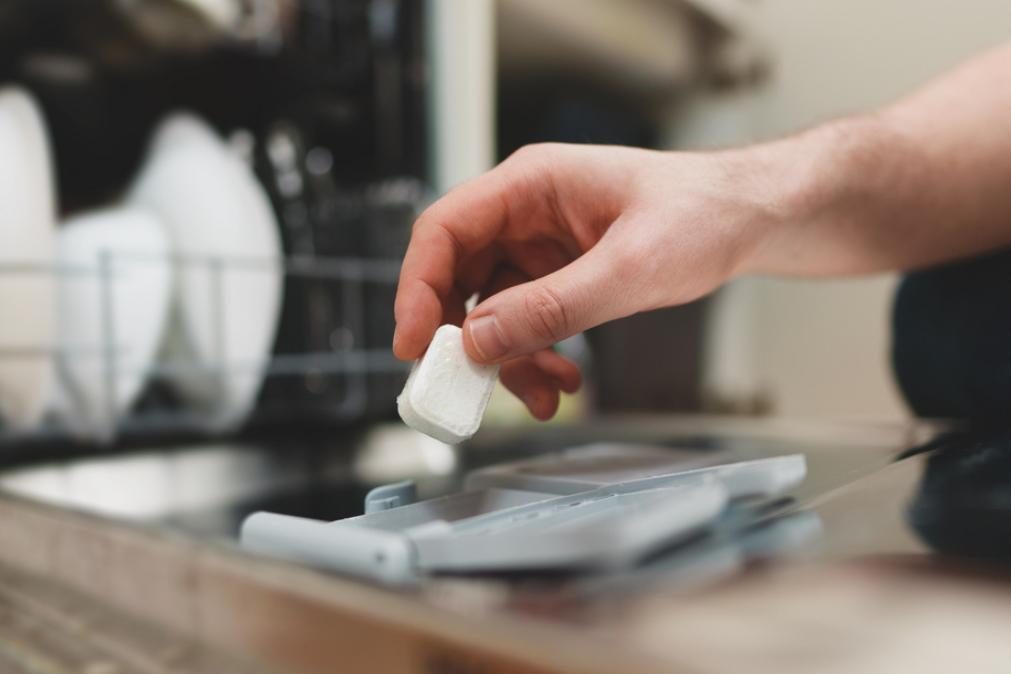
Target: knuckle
428 225
423 221
547 314
525 153
529 173
533 154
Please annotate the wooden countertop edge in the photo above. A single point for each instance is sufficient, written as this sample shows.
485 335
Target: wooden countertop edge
287 617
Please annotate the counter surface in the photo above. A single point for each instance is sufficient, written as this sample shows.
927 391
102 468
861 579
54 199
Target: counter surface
890 555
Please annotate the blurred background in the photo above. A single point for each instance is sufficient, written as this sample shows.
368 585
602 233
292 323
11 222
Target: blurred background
736 72
204 205
348 117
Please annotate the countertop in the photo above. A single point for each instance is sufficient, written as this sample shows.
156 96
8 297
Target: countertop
890 556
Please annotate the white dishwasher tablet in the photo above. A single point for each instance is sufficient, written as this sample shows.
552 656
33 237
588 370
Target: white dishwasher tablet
446 393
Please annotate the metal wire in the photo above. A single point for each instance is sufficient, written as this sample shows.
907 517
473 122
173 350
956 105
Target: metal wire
351 360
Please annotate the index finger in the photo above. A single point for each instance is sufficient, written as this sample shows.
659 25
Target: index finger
460 224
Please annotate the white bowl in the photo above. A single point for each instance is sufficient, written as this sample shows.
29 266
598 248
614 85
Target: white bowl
27 249
114 295
229 279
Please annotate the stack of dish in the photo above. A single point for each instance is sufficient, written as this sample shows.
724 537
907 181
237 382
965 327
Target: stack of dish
183 276
27 251
228 261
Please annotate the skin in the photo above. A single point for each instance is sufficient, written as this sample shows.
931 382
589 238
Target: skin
561 238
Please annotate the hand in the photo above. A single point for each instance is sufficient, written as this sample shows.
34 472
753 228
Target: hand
561 238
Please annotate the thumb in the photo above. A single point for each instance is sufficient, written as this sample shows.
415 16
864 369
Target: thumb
531 316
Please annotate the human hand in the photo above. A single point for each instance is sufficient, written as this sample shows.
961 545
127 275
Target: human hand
560 238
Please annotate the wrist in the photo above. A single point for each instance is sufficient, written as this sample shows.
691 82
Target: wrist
817 181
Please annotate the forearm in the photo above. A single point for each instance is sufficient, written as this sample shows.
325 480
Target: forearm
923 181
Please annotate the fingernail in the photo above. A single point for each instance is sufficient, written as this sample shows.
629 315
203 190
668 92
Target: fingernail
488 338
396 337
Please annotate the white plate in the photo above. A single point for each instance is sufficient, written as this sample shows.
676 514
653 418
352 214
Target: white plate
27 296
223 230
114 297
181 129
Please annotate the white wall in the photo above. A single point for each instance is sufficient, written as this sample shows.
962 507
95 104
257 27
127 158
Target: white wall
820 348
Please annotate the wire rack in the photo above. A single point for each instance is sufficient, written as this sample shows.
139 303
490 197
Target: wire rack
330 363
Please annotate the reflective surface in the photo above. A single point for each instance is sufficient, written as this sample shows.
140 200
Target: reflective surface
843 575
206 489
869 593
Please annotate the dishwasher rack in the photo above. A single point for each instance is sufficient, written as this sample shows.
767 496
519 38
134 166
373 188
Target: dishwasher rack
346 301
